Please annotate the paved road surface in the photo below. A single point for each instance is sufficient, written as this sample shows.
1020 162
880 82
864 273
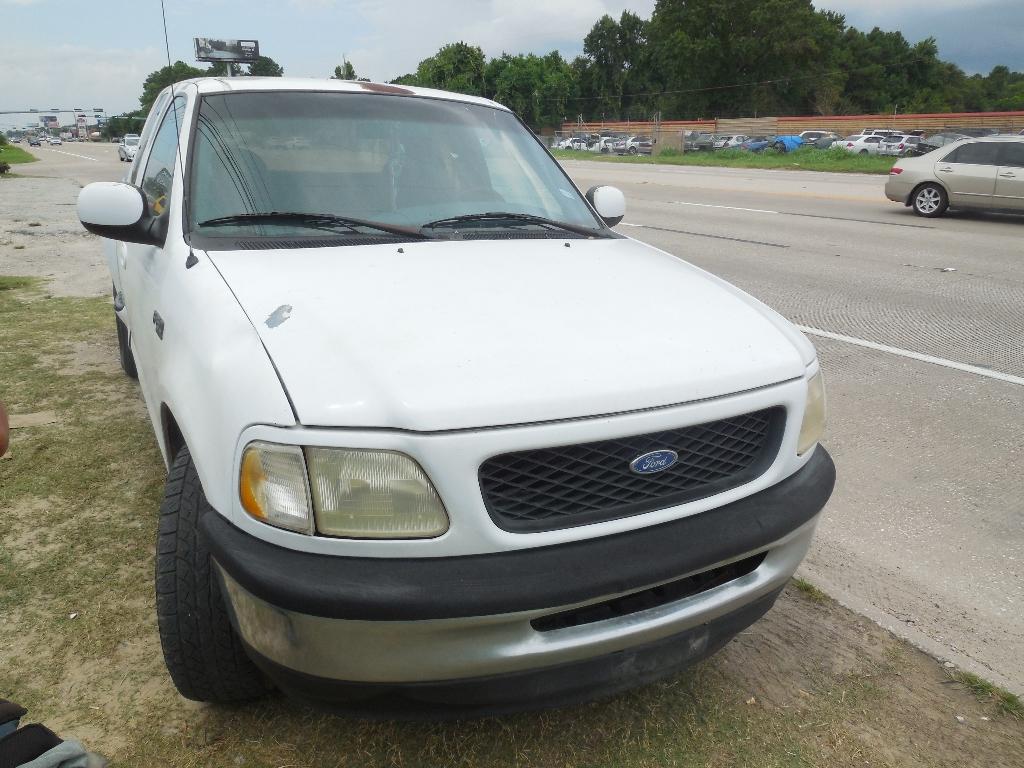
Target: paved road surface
925 533
82 162
926 530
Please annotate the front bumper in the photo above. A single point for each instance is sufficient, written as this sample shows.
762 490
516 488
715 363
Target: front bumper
437 621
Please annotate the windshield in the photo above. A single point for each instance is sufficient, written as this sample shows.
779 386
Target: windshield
405 161
131 141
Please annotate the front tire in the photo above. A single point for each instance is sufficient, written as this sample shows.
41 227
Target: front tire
930 201
201 650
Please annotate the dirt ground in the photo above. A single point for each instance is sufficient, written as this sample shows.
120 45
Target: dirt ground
40 235
811 684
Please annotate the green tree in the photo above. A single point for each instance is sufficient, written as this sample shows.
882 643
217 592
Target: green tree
222 69
345 72
161 78
456 67
264 66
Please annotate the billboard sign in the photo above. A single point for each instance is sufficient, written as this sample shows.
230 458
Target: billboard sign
212 49
49 121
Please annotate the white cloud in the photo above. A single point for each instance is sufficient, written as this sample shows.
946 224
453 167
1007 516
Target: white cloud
69 76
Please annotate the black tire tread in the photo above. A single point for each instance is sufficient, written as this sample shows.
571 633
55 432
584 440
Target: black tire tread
203 654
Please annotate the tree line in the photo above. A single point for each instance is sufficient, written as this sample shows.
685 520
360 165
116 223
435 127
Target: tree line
698 59
723 58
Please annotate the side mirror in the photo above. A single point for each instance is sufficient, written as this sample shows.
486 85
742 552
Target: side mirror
609 202
119 212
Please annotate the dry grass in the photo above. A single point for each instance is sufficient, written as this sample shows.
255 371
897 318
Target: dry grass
80 650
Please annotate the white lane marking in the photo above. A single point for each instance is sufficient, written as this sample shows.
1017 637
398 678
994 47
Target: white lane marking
72 154
627 224
977 371
727 207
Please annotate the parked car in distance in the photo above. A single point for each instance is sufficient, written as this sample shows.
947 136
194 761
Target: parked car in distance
421 490
127 148
812 137
936 140
605 143
866 144
54 141
729 142
634 145
897 145
756 143
786 143
878 132
573 142
698 141
827 142
986 172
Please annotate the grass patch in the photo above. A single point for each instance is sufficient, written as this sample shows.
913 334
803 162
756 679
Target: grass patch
8 283
1006 703
805 159
809 590
14 154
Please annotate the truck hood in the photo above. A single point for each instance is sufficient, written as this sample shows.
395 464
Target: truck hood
445 335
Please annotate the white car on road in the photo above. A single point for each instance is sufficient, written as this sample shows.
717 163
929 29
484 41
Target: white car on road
127 148
432 427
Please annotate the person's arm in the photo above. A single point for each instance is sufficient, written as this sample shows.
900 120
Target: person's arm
5 430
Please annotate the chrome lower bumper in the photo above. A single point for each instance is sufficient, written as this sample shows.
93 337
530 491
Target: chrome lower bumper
468 647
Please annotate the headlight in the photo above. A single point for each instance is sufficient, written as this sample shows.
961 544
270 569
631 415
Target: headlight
813 427
273 486
373 495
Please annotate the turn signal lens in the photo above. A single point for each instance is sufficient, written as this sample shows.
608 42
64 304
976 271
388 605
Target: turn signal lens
273 486
373 495
895 171
813 427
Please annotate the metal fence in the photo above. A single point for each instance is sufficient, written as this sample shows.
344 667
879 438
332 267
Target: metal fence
673 133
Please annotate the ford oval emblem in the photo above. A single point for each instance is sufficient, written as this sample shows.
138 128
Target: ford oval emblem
655 461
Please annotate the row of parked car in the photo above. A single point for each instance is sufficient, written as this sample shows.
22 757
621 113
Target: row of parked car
609 143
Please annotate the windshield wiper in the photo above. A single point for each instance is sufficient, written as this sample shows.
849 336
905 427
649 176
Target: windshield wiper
523 218
319 220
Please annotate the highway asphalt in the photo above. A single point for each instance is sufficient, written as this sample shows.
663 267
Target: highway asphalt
920 328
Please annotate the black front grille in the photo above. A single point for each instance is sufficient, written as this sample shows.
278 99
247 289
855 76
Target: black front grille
550 488
680 589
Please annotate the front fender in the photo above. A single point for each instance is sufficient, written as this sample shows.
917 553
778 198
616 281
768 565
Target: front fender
214 376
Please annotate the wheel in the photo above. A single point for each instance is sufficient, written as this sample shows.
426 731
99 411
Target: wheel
124 350
632 150
864 152
930 200
201 650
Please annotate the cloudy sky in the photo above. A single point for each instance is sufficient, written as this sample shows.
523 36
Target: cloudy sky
79 54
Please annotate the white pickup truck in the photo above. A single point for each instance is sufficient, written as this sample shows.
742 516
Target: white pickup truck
434 431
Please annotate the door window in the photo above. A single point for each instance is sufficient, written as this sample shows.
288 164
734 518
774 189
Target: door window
1012 154
979 153
147 134
156 182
